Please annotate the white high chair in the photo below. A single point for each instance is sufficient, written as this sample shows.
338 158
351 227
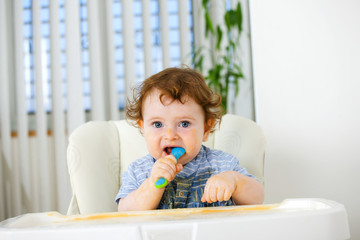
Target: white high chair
100 151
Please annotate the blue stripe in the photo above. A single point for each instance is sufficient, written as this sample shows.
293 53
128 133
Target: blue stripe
188 186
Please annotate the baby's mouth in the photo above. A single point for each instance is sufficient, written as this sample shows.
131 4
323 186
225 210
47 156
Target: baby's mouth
167 150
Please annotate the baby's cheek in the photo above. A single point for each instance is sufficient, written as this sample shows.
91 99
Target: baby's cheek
192 143
153 145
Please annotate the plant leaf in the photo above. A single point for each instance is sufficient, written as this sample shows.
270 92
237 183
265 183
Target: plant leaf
227 20
208 24
224 72
239 17
219 37
205 4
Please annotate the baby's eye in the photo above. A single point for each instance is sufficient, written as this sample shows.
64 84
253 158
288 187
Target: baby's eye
184 124
157 124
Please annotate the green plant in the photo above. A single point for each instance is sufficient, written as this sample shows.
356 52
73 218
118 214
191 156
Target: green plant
224 70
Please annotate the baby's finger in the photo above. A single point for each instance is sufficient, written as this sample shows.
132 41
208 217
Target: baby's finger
166 166
220 195
205 197
171 159
213 194
227 195
179 167
167 161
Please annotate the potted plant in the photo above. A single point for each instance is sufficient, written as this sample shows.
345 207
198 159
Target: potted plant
224 70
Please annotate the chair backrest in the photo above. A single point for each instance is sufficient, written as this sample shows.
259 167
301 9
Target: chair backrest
100 151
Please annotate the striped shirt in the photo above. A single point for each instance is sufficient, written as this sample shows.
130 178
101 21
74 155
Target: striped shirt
187 188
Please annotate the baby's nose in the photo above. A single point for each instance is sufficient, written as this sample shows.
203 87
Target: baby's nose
171 133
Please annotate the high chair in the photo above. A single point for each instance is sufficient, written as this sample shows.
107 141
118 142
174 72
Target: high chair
100 151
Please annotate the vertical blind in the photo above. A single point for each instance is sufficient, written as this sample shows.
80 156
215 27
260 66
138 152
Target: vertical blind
65 62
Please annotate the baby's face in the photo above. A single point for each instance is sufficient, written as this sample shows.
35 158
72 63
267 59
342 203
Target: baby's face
172 124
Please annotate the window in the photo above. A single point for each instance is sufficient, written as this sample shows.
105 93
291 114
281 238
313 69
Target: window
174 40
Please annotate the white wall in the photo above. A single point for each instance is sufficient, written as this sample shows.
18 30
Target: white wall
306 56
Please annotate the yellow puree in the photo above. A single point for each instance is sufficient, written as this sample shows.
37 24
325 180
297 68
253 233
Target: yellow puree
172 212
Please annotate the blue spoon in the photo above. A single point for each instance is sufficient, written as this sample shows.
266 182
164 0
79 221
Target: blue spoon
177 152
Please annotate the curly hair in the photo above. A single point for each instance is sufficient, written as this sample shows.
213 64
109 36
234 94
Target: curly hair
176 83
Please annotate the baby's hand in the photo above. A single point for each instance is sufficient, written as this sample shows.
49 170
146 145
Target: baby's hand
166 167
220 187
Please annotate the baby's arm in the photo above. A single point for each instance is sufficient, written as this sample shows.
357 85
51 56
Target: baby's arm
231 184
147 196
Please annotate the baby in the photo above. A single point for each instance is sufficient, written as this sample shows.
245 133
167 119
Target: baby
175 108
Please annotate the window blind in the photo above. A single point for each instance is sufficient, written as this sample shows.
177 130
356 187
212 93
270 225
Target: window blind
72 62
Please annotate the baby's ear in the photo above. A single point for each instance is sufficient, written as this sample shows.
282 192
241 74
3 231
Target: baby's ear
140 123
207 129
